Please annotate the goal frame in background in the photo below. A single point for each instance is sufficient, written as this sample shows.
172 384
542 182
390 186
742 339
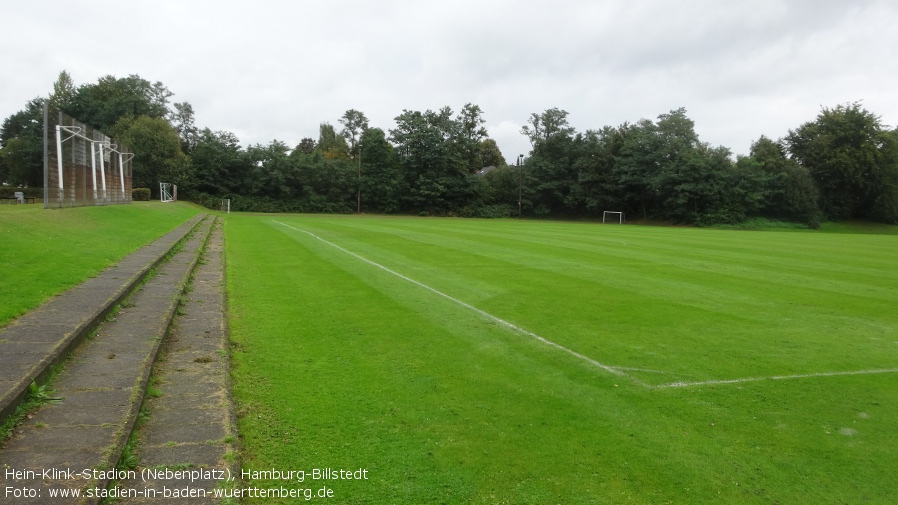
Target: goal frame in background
623 217
168 192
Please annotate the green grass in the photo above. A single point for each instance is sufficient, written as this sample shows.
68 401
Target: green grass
341 364
44 252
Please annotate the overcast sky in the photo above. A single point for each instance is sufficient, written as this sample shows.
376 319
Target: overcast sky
276 69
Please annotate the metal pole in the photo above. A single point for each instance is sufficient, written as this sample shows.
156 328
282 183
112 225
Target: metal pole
358 208
121 174
46 155
59 156
103 173
93 167
520 182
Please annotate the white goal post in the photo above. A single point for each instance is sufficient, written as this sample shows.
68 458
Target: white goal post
168 192
621 218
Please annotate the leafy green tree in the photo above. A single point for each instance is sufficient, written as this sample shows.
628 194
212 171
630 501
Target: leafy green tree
63 92
354 125
21 159
331 145
328 184
635 167
220 165
551 122
504 184
306 146
22 146
595 170
434 168
551 174
382 181
490 155
273 173
854 161
470 134
104 103
157 151
791 191
184 122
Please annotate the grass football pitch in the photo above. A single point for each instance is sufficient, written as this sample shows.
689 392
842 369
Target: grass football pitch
478 361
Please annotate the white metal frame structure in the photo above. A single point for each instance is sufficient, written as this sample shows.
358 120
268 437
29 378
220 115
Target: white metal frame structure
96 146
620 214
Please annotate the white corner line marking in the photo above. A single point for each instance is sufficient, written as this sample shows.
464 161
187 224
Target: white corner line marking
775 378
487 315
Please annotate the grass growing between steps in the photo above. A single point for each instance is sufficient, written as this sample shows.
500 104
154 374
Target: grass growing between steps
387 345
45 252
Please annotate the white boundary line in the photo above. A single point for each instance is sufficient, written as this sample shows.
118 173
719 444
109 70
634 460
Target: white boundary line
487 315
774 378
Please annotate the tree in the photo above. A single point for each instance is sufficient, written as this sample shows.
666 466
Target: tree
594 167
306 146
490 155
331 145
791 191
157 151
22 160
635 167
104 103
354 125
854 161
543 126
686 179
433 164
382 182
220 164
22 146
183 121
470 134
63 92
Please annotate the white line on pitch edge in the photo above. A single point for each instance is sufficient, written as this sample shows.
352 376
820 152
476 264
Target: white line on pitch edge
774 377
487 315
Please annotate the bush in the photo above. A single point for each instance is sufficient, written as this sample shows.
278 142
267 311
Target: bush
140 194
10 191
493 211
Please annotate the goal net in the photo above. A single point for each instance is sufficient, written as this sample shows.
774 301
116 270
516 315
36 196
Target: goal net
611 216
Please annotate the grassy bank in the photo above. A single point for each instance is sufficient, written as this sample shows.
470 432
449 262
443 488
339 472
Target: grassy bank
43 252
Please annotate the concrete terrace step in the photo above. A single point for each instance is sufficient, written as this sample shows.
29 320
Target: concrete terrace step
189 437
33 343
102 388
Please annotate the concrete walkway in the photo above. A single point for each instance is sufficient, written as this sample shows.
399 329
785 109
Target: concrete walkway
73 446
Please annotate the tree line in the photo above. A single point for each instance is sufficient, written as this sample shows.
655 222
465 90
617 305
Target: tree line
843 164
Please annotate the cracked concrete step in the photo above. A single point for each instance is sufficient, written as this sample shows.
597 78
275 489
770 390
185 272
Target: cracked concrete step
191 423
102 387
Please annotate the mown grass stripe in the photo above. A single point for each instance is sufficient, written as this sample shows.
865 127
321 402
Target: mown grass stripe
482 313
